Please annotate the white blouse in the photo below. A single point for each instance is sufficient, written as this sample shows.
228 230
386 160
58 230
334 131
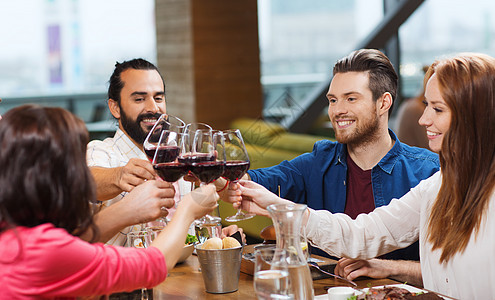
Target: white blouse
467 275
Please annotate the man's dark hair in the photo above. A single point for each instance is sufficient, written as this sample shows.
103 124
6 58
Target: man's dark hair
115 83
382 75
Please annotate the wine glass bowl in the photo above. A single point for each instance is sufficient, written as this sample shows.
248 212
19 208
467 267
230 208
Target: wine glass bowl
173 123
207 158
236 165
164 123
190 156
166 159
207 162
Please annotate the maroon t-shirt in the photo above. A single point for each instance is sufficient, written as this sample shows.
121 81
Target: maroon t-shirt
359 190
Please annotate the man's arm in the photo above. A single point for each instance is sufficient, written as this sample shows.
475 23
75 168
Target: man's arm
400 270
112 181
106 182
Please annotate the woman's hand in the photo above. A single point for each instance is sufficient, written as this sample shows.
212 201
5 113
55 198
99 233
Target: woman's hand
148 201
200 201
252 197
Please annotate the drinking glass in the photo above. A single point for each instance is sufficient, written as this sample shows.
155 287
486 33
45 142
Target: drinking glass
271 274
208 161
165 122
155 227
236 165
140 239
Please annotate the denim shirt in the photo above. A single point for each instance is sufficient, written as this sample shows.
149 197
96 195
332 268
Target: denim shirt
318 179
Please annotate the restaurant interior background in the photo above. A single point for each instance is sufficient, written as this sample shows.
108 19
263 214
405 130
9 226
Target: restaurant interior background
62 52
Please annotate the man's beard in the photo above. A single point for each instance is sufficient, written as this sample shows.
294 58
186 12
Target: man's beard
361 135
133 127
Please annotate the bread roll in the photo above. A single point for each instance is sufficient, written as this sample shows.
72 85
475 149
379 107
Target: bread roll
213 243
268 233
230 242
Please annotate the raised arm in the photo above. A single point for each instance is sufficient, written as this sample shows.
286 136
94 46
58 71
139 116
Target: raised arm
192 206
251 197
142 205
112 181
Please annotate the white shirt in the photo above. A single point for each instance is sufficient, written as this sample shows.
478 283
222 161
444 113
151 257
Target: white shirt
467 275
115 152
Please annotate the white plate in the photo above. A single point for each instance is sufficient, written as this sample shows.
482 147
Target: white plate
410 288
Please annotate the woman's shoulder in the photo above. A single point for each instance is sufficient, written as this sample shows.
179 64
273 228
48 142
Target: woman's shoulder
27 243
431 184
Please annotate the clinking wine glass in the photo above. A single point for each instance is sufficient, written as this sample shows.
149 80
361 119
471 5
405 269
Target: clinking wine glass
208 162
188 156
167 164
150 145
165 160
236 165
170 169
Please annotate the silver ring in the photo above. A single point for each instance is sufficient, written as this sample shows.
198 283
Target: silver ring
163 208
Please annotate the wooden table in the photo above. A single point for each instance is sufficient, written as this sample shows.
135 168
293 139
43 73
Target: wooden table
186 282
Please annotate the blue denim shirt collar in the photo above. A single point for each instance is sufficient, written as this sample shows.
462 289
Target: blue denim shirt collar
387 163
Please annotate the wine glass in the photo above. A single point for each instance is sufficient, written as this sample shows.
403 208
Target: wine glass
187 154
165 161
164 122
236 165
207 162
271 273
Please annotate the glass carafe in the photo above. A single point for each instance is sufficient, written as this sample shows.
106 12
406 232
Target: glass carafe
287 220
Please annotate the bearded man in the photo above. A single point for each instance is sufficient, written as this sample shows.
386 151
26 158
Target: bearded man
136 98
367 167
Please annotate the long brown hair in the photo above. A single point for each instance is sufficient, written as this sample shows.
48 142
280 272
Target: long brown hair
43 173
467 156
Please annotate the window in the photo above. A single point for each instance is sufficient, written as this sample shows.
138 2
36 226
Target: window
67 48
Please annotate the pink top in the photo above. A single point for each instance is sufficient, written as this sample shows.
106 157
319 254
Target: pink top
48 262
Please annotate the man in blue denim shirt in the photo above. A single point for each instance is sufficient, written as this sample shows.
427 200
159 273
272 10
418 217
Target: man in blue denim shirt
367 167
318 179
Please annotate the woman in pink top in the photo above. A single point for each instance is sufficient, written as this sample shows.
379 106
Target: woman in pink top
45 207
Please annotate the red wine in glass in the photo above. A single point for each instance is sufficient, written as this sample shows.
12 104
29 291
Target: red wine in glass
235 169
208 171
237 164
194 158
171 171
162 154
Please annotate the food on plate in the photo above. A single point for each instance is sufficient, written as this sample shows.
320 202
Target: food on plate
191 239
393 293
424 296
230 242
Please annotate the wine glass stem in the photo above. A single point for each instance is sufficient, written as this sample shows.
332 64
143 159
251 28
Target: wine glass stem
239 210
